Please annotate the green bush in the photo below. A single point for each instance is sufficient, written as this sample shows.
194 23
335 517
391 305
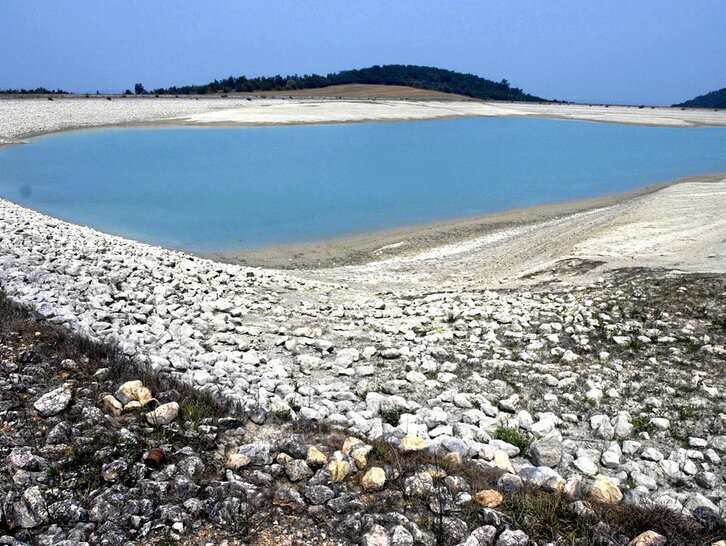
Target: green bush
515 437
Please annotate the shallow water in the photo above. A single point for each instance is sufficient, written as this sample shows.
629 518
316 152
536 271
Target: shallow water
230 189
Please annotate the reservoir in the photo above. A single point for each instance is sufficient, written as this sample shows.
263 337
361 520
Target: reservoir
224 189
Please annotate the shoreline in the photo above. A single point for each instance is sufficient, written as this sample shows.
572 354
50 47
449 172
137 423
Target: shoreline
24 118
411 240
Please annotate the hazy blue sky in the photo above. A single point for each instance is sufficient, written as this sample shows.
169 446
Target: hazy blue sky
619 51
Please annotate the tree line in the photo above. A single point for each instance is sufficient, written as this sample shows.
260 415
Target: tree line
36 91
421 77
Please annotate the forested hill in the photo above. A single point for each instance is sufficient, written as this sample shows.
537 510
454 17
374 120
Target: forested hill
714 99
421 77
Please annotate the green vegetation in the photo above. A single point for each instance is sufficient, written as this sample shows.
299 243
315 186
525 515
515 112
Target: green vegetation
643 424
714 99
283 415
392 416
192 412
421 77
513 436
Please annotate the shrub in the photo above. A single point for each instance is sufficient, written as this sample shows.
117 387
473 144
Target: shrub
643 424
392 416
515 437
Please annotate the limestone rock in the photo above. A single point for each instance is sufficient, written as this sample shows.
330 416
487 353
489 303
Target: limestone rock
547 451
316 457
359 454
110 403
411 443
339 470
163 415
605 490
513 538
289 498
235 461
400 536
259 453
374 479
348 444
133 391
376 536
649 538
490 498
54 402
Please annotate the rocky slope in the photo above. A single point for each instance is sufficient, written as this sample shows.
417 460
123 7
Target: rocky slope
616 385
92 456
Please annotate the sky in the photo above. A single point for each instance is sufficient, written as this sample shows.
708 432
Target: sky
654 52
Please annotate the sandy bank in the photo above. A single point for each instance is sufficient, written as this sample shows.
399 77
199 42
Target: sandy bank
680 226
296 112
415 240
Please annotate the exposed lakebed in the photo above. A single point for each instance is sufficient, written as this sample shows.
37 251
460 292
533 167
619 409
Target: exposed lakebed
216 189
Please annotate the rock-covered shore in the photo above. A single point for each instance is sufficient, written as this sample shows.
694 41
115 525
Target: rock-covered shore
97 450
618 382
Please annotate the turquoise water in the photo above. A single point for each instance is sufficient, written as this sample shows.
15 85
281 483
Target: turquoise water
228 189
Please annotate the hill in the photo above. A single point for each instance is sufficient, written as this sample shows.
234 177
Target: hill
419 77
365 91
714 99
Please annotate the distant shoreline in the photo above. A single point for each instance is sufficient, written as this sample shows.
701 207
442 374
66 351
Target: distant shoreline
26 117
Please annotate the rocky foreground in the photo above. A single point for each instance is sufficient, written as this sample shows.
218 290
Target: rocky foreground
610 393
98 451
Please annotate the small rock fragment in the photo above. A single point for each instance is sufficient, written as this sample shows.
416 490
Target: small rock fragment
649 538
489 498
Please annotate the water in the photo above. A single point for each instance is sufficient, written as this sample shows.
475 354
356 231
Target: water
242 188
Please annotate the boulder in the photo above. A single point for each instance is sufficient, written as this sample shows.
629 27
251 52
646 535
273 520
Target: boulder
374 479
54 402
547 451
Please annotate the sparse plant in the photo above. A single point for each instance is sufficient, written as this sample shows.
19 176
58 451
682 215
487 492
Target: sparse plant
392 416
643 424
192 412
284 415
515 437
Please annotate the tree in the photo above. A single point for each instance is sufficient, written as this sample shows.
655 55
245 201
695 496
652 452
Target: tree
139 89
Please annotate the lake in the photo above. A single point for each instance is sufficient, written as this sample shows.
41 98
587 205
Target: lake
217 189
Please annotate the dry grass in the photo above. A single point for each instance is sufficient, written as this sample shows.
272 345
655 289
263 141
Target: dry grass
543 516
549 517
55 344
